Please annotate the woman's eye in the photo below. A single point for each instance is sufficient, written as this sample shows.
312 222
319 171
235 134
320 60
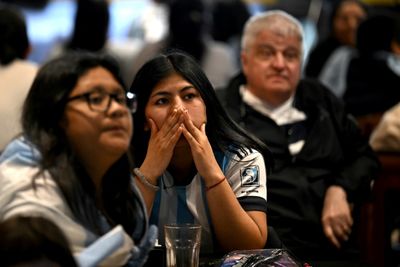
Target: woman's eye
161 101
291 55
265 53
121 98
96 98
190 96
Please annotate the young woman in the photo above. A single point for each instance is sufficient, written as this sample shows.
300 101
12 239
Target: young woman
196 164
72 165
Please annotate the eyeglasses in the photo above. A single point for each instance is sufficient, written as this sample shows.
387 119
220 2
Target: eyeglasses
100 101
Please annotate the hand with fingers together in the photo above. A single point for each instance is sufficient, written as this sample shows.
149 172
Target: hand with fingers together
161 144
201 149
336 219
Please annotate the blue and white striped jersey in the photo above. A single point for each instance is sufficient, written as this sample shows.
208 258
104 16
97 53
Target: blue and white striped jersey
188 204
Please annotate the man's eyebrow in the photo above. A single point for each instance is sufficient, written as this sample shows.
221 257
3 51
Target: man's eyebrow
262 46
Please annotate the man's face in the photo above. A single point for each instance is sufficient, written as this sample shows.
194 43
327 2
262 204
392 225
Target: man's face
272 66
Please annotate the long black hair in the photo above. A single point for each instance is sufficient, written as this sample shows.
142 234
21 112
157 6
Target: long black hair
223 133
42 112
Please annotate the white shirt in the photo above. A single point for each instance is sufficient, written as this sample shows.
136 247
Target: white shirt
15 81
282 115
18 197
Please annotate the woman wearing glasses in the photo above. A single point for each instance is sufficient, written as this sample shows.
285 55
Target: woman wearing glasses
72 164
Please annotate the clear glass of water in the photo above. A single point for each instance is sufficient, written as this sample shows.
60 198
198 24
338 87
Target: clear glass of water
182 243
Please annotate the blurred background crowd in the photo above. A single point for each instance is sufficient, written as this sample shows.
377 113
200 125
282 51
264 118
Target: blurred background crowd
351 46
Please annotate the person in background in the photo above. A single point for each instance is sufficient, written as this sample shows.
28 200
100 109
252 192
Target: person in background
91 34
195 164
386 136
72 164
16 72
33 241
152 26
345 17
363 76
90 29
372 79
323 168
188 31
228 19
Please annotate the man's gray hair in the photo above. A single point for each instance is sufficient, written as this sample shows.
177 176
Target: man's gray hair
277 21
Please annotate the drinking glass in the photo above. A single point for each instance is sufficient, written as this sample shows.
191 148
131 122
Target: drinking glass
182 243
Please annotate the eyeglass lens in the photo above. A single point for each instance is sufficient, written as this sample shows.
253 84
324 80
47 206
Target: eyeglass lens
99 101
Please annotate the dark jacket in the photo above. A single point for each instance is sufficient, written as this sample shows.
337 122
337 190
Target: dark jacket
334 153
372 87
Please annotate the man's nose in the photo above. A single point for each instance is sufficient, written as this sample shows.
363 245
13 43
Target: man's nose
278 61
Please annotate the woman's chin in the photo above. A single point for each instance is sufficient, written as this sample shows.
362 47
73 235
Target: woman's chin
117 148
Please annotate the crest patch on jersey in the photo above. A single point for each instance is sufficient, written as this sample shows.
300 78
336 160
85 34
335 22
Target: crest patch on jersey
249 176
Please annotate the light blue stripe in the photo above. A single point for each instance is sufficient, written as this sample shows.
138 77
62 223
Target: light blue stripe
155 209
183 213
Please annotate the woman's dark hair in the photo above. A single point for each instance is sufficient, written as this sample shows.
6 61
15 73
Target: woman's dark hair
42 113
28 240
91 26
223 133
14 41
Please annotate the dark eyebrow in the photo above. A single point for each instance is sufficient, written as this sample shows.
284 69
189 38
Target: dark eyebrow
164 93
294 48
188 88
101 89
160 93
266 46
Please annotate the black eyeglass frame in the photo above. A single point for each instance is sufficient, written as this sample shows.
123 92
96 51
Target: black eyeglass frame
130 100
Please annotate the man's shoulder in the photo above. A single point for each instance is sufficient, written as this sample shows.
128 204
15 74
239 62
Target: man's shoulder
230 93
312 89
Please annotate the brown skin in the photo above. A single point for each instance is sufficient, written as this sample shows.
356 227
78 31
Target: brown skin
98 138
176 116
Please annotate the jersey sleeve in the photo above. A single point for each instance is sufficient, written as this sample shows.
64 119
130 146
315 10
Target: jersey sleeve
248 180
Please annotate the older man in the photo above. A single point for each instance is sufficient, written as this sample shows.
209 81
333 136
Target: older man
323 167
